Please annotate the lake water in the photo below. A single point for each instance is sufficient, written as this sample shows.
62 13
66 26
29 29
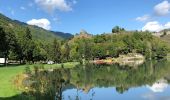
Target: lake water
149 81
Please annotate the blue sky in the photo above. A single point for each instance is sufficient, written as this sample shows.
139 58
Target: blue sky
94 16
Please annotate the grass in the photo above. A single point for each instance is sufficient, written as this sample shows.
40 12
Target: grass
7 89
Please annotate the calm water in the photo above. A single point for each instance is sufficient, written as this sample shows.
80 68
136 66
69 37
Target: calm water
149 81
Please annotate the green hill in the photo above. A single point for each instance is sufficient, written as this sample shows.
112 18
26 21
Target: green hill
38 33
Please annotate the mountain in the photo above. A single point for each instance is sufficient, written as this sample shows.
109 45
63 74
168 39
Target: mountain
63 35
38 33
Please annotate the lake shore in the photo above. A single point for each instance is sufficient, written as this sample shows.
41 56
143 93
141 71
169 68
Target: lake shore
129 59
7 74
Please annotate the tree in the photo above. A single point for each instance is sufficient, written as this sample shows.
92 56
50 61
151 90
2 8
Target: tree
28 46
74 54
2 38
165 33
66 52
7 41
117 29
161 51
18 50
56 51
100 38
99 50
2 41
87 49
39 53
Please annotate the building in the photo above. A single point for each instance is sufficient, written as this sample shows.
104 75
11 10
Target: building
2 60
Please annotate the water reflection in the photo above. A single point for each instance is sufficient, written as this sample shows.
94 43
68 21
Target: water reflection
159 86
132 63
94 82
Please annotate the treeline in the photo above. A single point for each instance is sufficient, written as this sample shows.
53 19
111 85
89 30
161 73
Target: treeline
114 44
25 49
83 46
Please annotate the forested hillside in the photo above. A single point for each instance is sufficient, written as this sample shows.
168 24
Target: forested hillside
25 43
38 33
120 42
22 42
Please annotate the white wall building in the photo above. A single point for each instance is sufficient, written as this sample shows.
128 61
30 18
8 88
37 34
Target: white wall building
2 60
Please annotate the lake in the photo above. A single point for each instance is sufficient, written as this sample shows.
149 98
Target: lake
148 81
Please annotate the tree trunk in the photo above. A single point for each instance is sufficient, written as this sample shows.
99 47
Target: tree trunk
20 61
32 61
5 61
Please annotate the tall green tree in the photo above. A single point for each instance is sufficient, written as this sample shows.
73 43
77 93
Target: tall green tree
56 51
19 50
66 52
28 46
2 42
7 41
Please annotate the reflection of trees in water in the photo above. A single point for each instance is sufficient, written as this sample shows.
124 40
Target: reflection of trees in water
121 89
50 85
121 77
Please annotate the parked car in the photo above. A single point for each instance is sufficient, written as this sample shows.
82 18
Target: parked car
50 62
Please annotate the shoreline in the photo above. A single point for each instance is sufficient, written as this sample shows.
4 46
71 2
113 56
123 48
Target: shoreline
131 59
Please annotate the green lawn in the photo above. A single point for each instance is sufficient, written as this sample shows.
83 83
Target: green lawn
7 89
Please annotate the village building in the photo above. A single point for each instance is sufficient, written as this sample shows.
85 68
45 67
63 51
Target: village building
2 59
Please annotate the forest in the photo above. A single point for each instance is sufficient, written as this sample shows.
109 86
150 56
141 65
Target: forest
26 49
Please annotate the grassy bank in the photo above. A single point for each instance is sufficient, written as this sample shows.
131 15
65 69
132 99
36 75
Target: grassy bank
7 89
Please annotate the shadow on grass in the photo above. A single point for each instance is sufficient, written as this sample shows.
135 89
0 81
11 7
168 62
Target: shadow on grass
11 65
17 97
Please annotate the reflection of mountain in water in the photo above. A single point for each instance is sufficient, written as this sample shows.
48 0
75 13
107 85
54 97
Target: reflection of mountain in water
49 84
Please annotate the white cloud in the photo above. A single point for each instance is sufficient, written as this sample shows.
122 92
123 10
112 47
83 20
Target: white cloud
162 8
152 26
143 18
43 23
52 5
167 25
155 26
22 8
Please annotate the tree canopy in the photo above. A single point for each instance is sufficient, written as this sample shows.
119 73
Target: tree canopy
82 46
